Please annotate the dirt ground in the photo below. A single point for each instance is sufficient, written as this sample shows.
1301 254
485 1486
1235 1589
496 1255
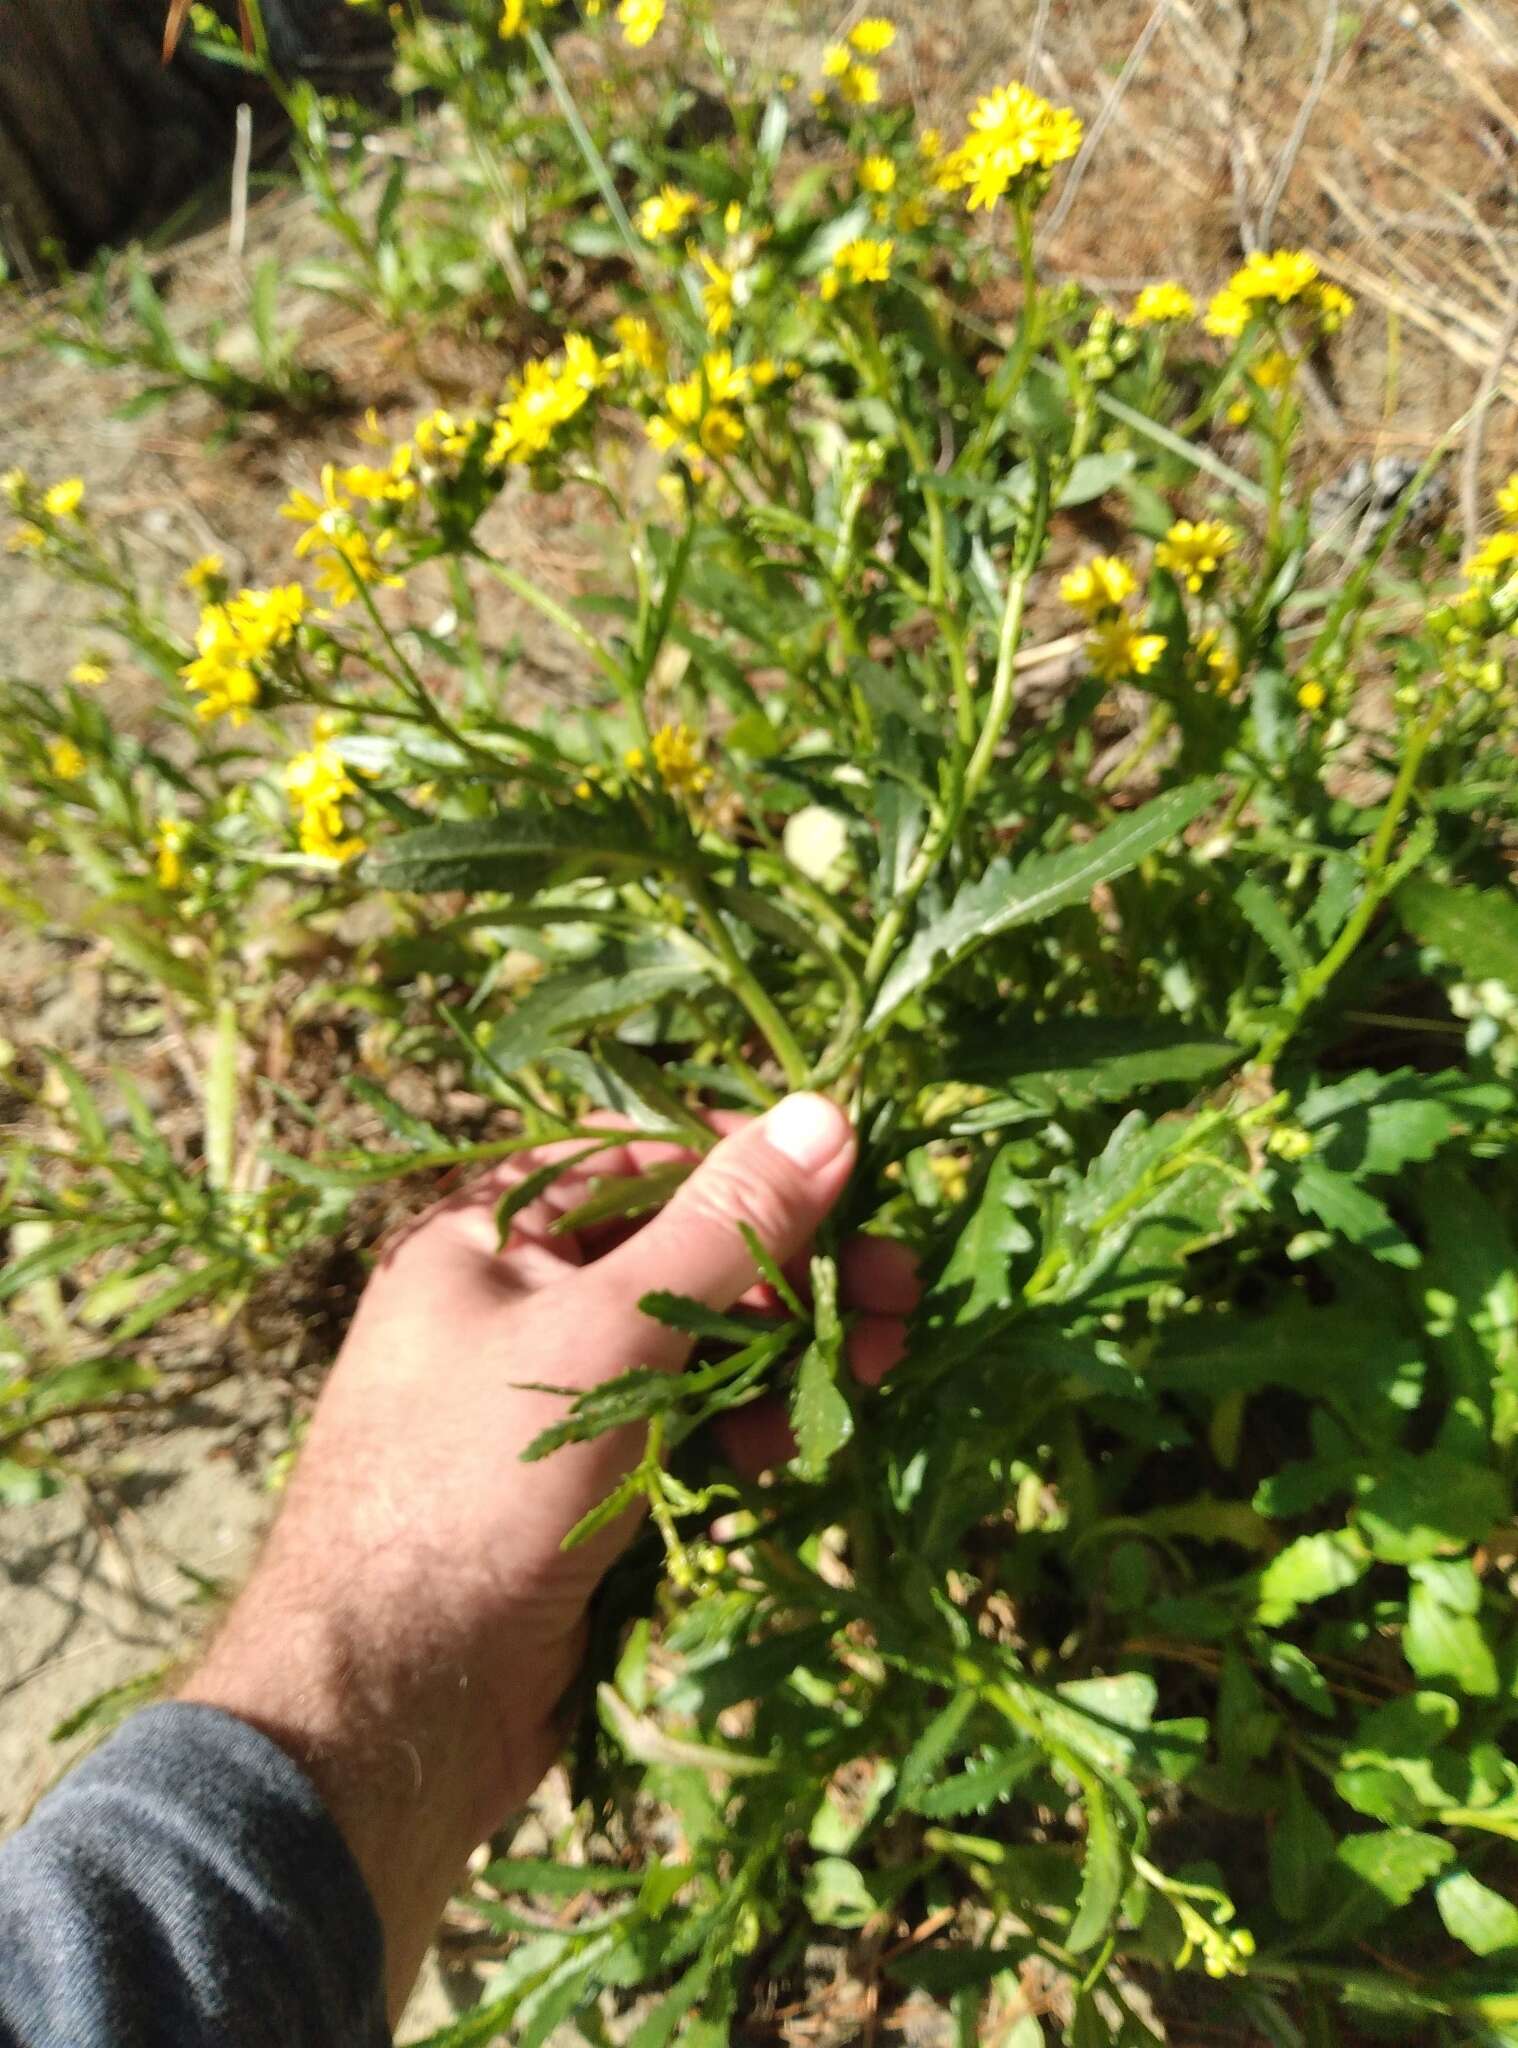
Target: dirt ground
1383 137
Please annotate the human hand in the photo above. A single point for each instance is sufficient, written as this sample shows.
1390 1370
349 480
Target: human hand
414 1620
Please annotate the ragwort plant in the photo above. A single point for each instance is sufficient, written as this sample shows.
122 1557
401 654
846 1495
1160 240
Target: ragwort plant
1144 1647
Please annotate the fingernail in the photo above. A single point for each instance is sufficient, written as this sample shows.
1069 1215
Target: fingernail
808 1129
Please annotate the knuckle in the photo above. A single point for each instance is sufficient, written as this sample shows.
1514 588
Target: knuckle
729 1193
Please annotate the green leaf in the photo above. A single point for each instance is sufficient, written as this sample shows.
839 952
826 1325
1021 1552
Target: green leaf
1374 1123
521 849
1421 1506
628 1082
1312 1568
1006 897
541 1877
1296 1674
1352 1212
936 1744
1444 1638
822 1418
1300 1845
573 1001
1397 1863
1485 1921
1104 1871
620 1197
1273 925
1086 1059
978 1273
98 1716
681 1312
1477 929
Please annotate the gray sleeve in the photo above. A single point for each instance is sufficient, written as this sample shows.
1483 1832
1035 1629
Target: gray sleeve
186 1885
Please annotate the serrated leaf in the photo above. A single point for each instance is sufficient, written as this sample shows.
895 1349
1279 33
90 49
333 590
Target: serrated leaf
1475 928
979 1788
681 1312
1473 1913
1006 897
822 1419
977 1275
1272 924
1352 1212
1104 1871
621 1197
934 1746
1087 1059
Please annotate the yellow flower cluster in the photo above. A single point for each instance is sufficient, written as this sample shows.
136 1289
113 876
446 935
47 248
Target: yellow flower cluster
1496 555
665 212
1288 277
1116 645
716 295
1194 551
65 760
233 639
1014 133
1219 665
61 502
1102 584
858 83
202 575
317 782
169 836
699 415
640 20
519 15
1158 305
677 761
346 558
639 343
861 261
546 397
877 174
89 672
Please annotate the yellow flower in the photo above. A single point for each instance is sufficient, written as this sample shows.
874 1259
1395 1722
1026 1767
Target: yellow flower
1220 664
1193 552
860 85
25 539
640 342
873 36
68 764
665 213
1116 648
1285 278
716 294
835 60
1159 304
1507 498
392 485
265 620
732 218
89 672
725 379
861 261
1492 557
1311 695
324 517
1103 584
513 15
439 433
1275 370
316 783
352 564
640 21
877 174
169 836
1013 131
233 637
930 144
202 574
677 758
13 487
64 500
546 397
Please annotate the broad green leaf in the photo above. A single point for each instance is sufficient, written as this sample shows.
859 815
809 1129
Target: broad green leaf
1006 897
1420 1506
822 1419
838 1895
1477 929
1473 1913
1471 1274
1373 1123
1310 1569
521 849
571 1002
1296 1674
1086 1059
1444 1638
1397 1864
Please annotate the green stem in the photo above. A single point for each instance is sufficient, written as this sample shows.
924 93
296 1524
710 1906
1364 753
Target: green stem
551 609
744 985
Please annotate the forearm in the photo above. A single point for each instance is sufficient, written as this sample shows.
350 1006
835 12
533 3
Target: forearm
185 1886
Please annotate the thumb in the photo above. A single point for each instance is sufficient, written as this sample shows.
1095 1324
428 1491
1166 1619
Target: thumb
779 1175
